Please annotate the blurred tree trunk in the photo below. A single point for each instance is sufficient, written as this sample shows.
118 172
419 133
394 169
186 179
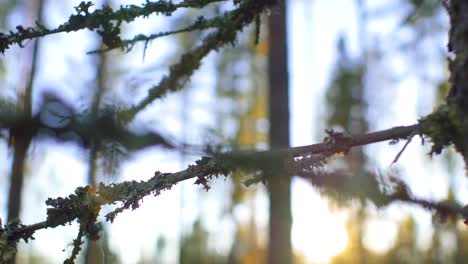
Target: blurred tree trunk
20 136
279 248
93 252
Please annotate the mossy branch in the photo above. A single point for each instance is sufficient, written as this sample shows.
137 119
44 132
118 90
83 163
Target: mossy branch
231 23
85 204
106 21
200 24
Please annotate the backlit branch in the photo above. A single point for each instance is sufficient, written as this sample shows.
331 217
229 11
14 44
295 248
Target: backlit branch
105 20
107 24
84 205
200 24
231 23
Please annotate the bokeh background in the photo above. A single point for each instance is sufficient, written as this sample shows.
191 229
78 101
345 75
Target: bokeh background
354 66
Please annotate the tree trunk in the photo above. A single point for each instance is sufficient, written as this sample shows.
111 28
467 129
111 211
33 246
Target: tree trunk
20 146
21 135
279 248
93 251
458 43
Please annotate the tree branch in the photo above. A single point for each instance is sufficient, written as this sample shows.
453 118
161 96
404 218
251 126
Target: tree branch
230 24
129 194
107 23
100 18
337 142
305 161
200 24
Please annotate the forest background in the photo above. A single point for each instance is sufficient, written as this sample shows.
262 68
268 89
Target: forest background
354 66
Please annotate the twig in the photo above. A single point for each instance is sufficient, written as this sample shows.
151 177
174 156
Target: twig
401 151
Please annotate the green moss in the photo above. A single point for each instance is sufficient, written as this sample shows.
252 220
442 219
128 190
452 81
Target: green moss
444 128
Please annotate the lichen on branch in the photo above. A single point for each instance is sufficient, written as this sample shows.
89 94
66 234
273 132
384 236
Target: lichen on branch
307 161
443 127
105 21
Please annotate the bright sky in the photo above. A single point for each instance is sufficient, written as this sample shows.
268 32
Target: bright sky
314 28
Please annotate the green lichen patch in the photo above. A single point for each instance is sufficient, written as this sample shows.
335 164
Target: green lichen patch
444 128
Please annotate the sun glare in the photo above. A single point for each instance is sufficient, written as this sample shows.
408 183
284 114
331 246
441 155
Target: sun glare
317 232
324 238
380 235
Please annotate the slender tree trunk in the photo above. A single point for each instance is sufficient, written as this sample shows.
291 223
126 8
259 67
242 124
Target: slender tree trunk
21 135
20 145
94 252
279 248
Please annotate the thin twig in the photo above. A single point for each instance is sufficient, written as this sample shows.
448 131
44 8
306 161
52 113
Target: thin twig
401 151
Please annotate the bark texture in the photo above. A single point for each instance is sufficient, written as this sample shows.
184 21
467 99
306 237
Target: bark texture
458 45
